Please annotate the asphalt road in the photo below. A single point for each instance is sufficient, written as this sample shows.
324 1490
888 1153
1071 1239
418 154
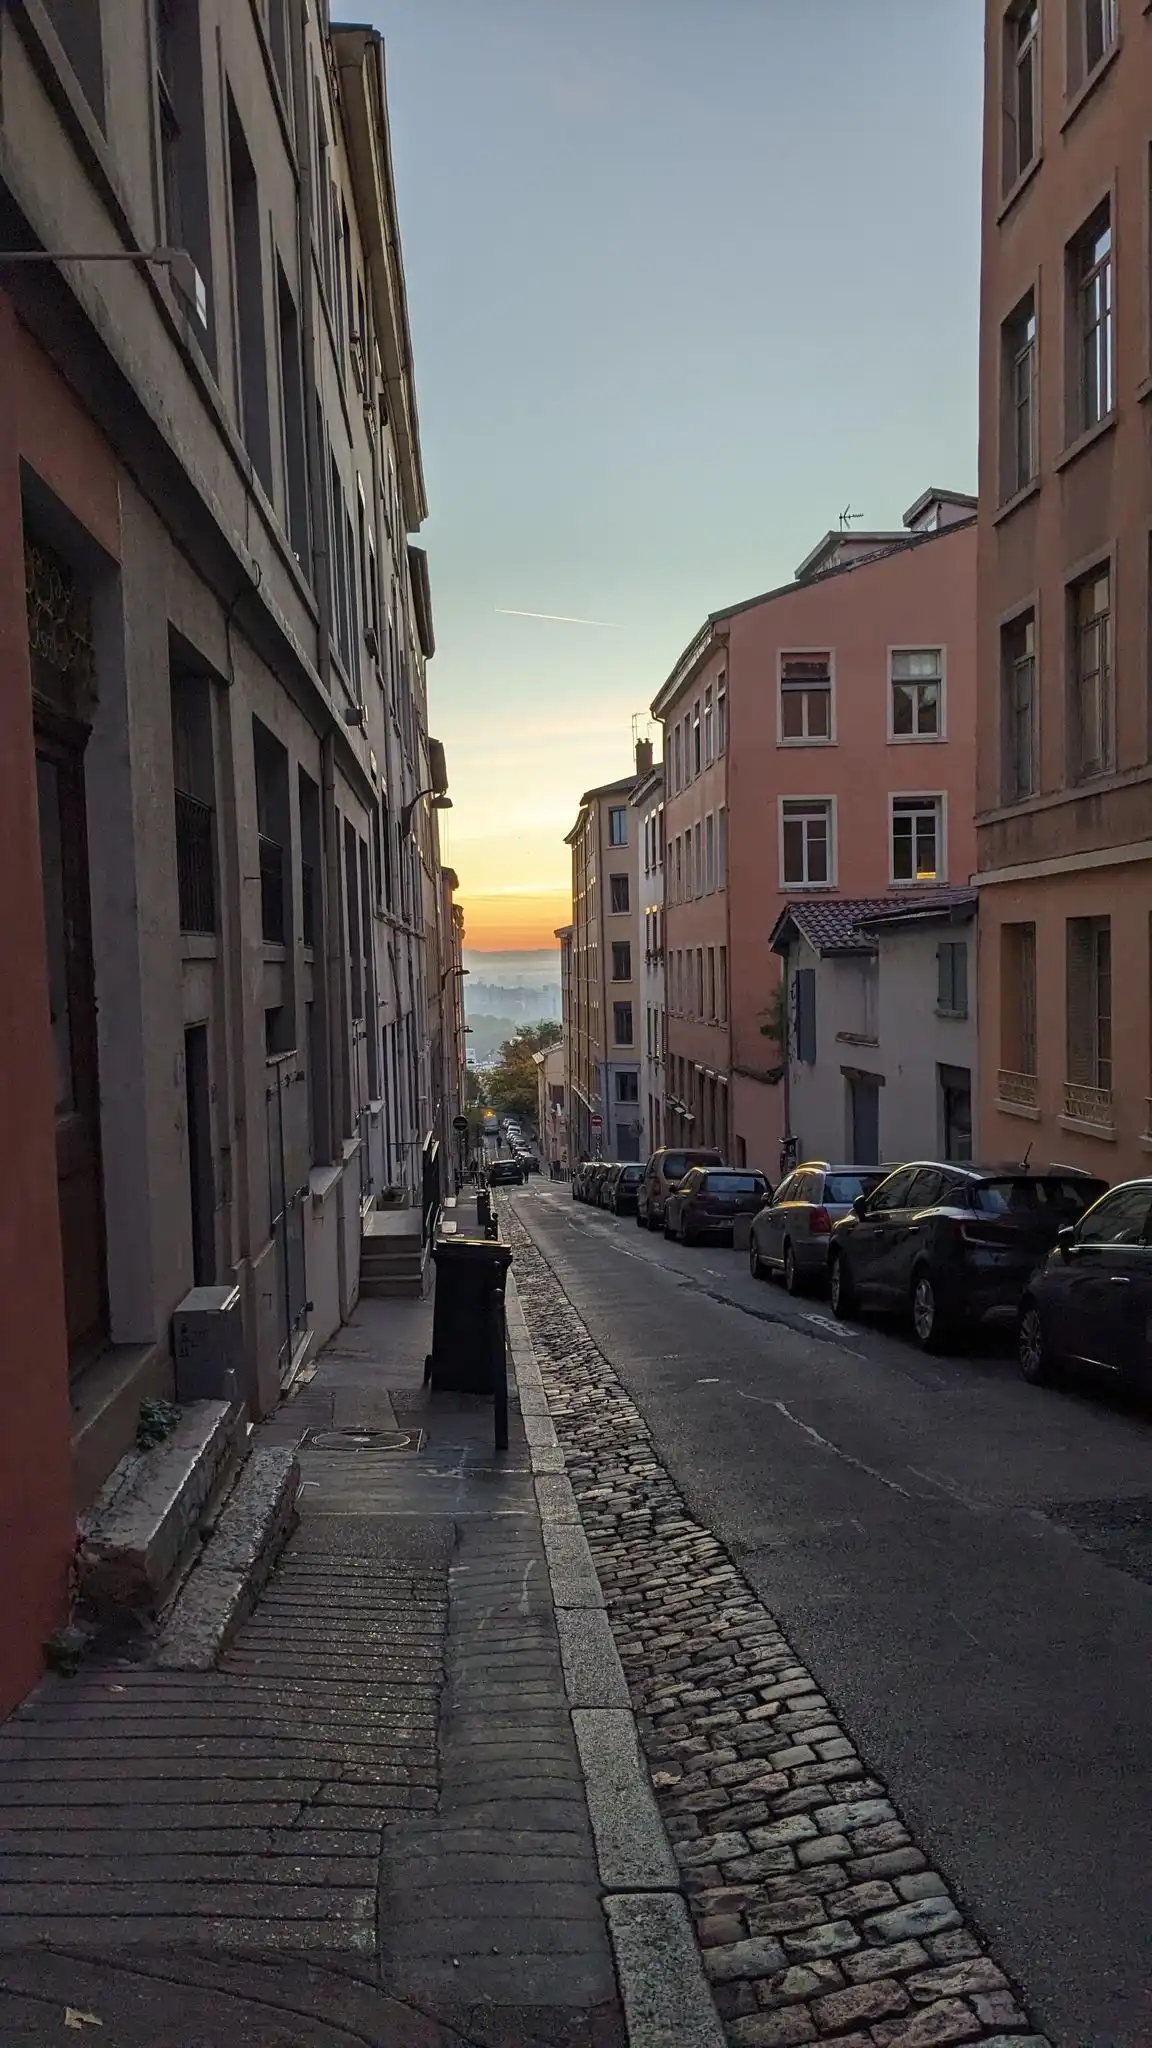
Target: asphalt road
963 1561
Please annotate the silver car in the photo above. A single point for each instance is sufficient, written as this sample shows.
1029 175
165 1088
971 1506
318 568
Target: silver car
790 1236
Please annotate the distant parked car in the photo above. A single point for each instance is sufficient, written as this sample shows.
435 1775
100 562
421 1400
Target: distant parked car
950 1244
594 1174
790 1234
618 1192
665 1168
1090 1303
708 1200
505 1173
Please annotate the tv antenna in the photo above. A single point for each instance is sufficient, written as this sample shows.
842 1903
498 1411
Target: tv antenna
846 518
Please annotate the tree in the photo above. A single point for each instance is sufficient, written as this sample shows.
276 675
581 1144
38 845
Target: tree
512 1082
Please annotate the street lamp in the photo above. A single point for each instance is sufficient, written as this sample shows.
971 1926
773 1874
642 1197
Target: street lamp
185 275
440 802
449 971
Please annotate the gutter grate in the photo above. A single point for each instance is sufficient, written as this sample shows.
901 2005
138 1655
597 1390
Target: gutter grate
363 1440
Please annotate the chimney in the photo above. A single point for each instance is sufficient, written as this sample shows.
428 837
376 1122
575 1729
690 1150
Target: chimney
643 758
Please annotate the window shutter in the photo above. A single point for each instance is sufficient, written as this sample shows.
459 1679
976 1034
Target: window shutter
943 977
960 979
806 1015
1081 1002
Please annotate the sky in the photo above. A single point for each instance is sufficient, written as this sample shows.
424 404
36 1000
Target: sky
686 279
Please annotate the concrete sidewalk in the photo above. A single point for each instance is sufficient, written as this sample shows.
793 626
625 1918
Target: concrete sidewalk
371 1823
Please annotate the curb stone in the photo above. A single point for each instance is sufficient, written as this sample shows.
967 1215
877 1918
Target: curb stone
814 1908
667 2003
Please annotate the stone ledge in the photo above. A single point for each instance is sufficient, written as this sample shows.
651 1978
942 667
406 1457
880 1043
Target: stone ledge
134 1549
237 1562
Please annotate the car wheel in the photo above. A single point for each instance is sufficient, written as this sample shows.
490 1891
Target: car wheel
792 1277
929 1326
1032 1349
754 1265
841 1289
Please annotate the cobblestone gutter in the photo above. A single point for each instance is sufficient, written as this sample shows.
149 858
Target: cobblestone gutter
817 1916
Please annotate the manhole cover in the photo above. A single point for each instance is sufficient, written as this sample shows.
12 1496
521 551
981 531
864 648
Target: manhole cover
363 1439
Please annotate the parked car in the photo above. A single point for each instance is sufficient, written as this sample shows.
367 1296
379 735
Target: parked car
618 1192
1090 1303
594 1174
505 1173
708 1200
665 1168
790 1234
950 1244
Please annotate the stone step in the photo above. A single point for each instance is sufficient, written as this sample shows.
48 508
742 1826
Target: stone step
397 1265
377 1287
136 1546
237 1560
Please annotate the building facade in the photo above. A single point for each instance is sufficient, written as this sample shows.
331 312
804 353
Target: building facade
818 742
647 801
602 1024
216 781
552 1110
1064 788
880 1004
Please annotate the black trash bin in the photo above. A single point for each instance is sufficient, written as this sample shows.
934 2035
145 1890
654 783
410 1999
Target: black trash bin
468 1328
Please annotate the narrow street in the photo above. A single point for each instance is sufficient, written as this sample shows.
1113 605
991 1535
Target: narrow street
962 1562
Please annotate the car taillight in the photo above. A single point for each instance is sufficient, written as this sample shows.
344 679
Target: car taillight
820 1223
983 1233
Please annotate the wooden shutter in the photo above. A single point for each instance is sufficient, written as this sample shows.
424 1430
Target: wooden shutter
806 1015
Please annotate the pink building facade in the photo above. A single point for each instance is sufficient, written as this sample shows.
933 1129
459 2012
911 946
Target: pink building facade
819 741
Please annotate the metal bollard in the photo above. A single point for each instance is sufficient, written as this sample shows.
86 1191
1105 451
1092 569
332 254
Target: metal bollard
499 1334
483 1208
492 1226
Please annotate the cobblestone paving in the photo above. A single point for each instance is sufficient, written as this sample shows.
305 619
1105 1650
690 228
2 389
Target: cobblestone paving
817 1916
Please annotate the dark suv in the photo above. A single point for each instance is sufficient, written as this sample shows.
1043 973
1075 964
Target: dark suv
665 1169
951 1244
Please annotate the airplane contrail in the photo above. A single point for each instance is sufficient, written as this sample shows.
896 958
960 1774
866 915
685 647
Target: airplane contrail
560 618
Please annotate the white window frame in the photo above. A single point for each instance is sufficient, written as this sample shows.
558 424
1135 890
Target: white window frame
819 740
919 796
917 739
829 805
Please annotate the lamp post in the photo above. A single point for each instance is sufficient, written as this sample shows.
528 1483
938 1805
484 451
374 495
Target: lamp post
185 275
440 802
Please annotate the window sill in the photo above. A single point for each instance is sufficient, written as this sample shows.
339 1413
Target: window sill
806 743
275 951
1085 91
199 945
920 882
1087 439
1027 1110
1021 185
917 739
1106 1132
856 1038
807 888
1018 498
957 1016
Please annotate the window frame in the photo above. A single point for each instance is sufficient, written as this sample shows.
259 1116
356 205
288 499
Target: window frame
939 798
618 1009
803 690
948 983
617 812
1081 71
1080 278
619 909
1014 167
621 948
1023 618
1078 769
918 739
1012 480
828 804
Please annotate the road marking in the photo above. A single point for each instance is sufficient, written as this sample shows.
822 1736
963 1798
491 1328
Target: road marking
823 1322
825 1444
708 1383
949 1488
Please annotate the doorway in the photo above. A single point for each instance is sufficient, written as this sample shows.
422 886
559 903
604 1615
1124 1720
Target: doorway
955 1096
864 1119
201 1175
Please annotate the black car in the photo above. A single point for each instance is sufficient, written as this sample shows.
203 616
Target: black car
1090 1303
708 1200
618 1193
951 1244
505 1173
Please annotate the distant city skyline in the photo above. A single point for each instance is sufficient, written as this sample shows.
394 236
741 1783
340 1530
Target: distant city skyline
660 343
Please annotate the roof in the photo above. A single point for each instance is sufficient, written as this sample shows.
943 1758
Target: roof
866 543
625 783
843 924
949 906
932 496
701 642
649 785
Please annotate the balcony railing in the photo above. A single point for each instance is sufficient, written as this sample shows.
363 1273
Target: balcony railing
307 903
1021 1089
195 872
1088 1105
271 891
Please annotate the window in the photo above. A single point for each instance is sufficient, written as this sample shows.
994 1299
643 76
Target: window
622 1023
952 978
1089 996
917 839
916 681
806 842
77 23
679 895
805 698
627 1088
698 984
292 399
677 777
617 826
688 891
1018 684
696 737
248 285
697 861
1092 30
1091 674
722 848
709 852
1021 90
618 892
1020 449
1092 367
709 732
722 714
711 1010
621 960
1119 1218
722 986
804 1000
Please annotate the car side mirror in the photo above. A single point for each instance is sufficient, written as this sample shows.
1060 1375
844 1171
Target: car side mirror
860 1206
1066 1238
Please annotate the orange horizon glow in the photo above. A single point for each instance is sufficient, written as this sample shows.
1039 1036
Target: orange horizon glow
513 922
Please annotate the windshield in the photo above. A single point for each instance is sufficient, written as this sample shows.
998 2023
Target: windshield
1061 1198
737 1183
846 1187
676 1164
632 1173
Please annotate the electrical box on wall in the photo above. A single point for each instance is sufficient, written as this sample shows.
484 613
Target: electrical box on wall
207 1345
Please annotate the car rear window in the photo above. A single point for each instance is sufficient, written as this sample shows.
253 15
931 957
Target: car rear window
1054 1195
736 1183
631 1173
846 1187
675 1165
